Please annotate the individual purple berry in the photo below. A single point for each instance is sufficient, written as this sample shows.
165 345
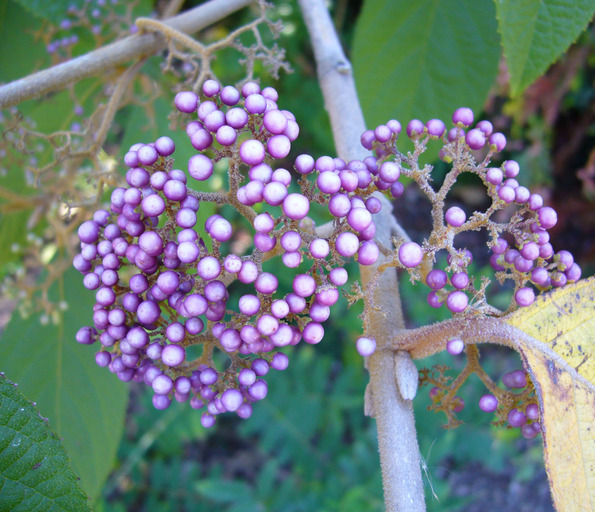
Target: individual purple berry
488 403
457 301
435 128
296 206
463 116
475 139
410 254
455 216
186 101
415 128
497 141
365 346
455 346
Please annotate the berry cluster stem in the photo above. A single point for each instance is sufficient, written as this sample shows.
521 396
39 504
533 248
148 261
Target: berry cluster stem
397 438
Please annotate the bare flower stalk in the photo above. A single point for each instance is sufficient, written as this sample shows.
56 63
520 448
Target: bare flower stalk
106 58
397 439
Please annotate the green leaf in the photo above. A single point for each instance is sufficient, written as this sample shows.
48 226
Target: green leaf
35 472
84 403
535 33
424 59
224 491
53 11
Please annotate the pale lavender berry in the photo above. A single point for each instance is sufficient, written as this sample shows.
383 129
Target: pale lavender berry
457 301
209 268
463 116
186 101
349 180
435 127
494 176
488 403
232 399
359 219
151 243
535 202
497 141
389 172
455 216
475 139
397 189
200 167
365 346
255 103
373 204
325 164
275 122
165 146
511 168
248 273
246 377
486 127
339 205
266 283
258 390
437 279
88 231
279 146
236 118
338 276
313 333
226 135
304 164
280 308
160 402
210 88
347 244
394 126
252 152
162 384
368 253
455 346
506 194
173 355
304 285
329 182
530 251
415 128
367 139
410 254
319 248
573 273
282 176
460 280
274 193
229 95
547 217
296 206
280 362
207 420
147 155
220 229
382 133
230 340
291 241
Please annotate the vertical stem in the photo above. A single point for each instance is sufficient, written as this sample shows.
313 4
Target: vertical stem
397 438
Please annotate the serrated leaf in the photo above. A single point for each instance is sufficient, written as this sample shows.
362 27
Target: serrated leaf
424 59
562 367
535 33
35 472
84 403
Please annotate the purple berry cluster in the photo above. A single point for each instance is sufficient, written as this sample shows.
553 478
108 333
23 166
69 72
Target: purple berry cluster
527 421
162 291
520 248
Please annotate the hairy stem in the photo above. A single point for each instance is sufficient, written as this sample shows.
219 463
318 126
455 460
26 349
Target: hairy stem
106 58
397 439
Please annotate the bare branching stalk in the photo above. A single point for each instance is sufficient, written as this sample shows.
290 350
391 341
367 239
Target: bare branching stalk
104 59
397 439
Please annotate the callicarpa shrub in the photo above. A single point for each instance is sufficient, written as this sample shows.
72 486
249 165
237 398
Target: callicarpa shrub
162 283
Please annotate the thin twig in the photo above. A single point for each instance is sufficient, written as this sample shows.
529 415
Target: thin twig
106 58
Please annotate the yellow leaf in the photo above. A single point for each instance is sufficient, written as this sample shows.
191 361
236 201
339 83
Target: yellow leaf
560 355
